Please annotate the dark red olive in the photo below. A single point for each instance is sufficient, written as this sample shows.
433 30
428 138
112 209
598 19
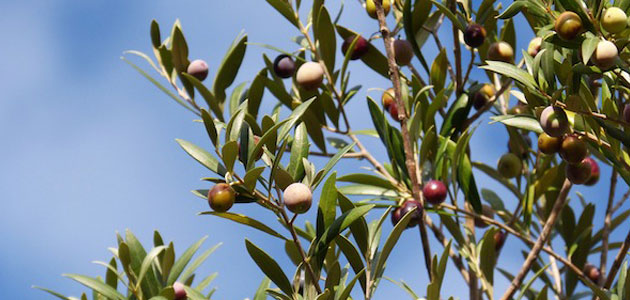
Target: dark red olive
393 110
360 47
499 240
487 212
284 66
434 192
626 113
592 272
474 35
579 173
594 178
406 207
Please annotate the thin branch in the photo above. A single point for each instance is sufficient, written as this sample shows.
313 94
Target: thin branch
617 262
410 158
542 239
607 225
457 259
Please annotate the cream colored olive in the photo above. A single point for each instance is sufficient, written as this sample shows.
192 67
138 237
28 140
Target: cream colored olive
501 51
605 54
310 75
614 20
534 46
298 198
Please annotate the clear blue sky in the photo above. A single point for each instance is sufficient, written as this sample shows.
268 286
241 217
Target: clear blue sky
88 145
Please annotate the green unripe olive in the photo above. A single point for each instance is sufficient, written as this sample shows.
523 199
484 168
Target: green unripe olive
500 51
573 149
614 20
510 165
474 35
198 68
388 98
481 97
403 52
371 7
517 147
221 197
310 75
568 25
298 198
519 109
578 173
594 178
534 46
554 121
548 144
605 54
487 212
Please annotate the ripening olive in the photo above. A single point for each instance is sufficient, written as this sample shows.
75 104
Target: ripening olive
360 47
487 212
592 272
434 192
388 98
298 198
393 111
198 68
614 20
310 75
568 25
371 7
221 197
510 165
605 55
180 292
594 178
481 97
554 121
499 240
519 109
474 35
500 51
579 173
406 207
403 52
284 66
626 113
573 149
534 46
548 144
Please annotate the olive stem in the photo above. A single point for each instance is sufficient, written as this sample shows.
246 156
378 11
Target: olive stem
410 159
540 242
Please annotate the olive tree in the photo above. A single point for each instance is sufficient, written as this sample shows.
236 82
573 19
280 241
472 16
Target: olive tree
570 89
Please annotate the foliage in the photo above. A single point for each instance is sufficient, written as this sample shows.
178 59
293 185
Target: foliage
259 153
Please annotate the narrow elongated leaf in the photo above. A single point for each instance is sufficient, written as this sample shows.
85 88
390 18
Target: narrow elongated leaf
182 261
229 67
325 36
327 209
245 220
348 289
190 270
97 285
203 157
391 241
331 163
270 267
299 150
284 8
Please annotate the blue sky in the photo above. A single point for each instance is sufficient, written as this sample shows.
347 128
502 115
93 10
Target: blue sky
89 145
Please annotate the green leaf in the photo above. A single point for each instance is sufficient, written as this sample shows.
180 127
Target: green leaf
159 85
513 72
588 47
156 40
260 292
111 276
270 267
438 71
210 127
190 270
60 296
97 285
362 189
325 35
391 241
367 179
348 289
449 14
251 177
359 229
245 220
330 164
373 58
519 121
229 152
183 260
353 257
327 210
530 281
229 67
148 262
202 156
179 50
299 150
212 102
284 8
487 257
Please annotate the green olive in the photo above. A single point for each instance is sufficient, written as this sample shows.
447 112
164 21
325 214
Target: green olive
614 20
371 7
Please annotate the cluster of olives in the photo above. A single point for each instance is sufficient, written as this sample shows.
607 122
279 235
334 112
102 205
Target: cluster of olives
434 192
297 197
389 103
556 138
309 76
568 26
